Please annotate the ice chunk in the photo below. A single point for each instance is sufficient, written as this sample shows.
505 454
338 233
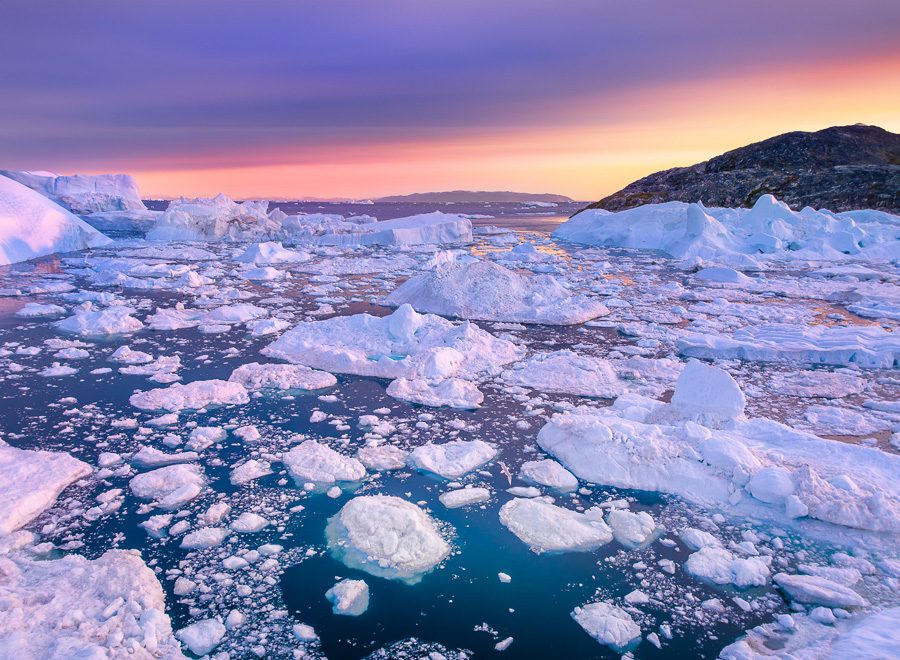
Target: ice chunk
704 392
93 323
453 459
256 376
83 193
170 487
464 497
205 537
349 597
608 624
382 457
195 395
548 473
452 392
314 462
212 219
631 529
546 527
272 252
203 636
386 537
815 590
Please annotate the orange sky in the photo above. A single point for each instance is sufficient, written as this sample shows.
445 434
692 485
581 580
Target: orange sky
641 131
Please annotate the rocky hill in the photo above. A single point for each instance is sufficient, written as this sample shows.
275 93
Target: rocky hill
839 168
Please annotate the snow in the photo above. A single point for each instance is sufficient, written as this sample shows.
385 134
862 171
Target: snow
546 527
109 607
453 459
869 346
565 372
548 472
482 290
195 395
255 376
404 344
464 497
452 392
387 537
314 462
203 636
349 597
170 487
812 589
30 482
88 322
33 226
82 193
608 624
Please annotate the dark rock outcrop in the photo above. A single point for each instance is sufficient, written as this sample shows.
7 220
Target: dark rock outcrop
839 168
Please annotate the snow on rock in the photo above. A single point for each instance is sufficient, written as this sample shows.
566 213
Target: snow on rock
464 497
453 459
110 607
403 345
486 291
272 252
30 482
565 372
631 529
33 226
213 219
170 487
203 636
704 392
349 597
386 537
815 590
865 346
608 624
452 392
546 527
88 322
548 472
195 395
314 462
83 193
255 376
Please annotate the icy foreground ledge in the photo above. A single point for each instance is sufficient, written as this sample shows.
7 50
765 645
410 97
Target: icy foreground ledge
110 607
486 291
30 482
868 346
403 345
33 226
387 537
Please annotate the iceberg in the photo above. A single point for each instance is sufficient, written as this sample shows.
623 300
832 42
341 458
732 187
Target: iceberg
214 219
84 193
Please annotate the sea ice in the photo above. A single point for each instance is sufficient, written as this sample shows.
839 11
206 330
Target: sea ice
452 392
311 461
454 499
170 487
608 624
349 597
565 372
548 472
453 459
195 395
546 527
256 376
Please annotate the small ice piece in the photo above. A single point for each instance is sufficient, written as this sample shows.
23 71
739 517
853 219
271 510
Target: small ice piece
696 539
815 590
548 472
707 393
204 437
386 537
349 597
38 310
546 527
631 529
195 395
304 632
314 462
464 497
453 459
503 644
170 487
249 471
504 578
637 597
151 457
205 537
203 636
255 376
608 624
249 523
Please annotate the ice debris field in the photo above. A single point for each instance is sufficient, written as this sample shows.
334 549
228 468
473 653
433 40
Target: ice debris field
234 432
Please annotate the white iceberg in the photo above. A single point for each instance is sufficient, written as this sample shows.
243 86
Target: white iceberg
214 219
546 527
349 597
84 193
452 392
453 459
170 487
311 461
608 624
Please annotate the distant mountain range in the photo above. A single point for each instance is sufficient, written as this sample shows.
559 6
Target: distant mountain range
474 196
841 168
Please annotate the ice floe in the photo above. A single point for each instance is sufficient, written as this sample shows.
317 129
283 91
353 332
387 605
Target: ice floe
452 459
546 527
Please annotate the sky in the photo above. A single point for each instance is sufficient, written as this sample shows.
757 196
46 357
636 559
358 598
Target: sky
339 98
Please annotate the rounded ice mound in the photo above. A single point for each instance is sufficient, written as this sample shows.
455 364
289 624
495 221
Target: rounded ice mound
546 527
486 291
453 459
608 624
170 487
387 537
707 393
404 344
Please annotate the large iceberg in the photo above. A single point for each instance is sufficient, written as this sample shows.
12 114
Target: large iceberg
84 193
214 219
692 232
32 225
487 291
